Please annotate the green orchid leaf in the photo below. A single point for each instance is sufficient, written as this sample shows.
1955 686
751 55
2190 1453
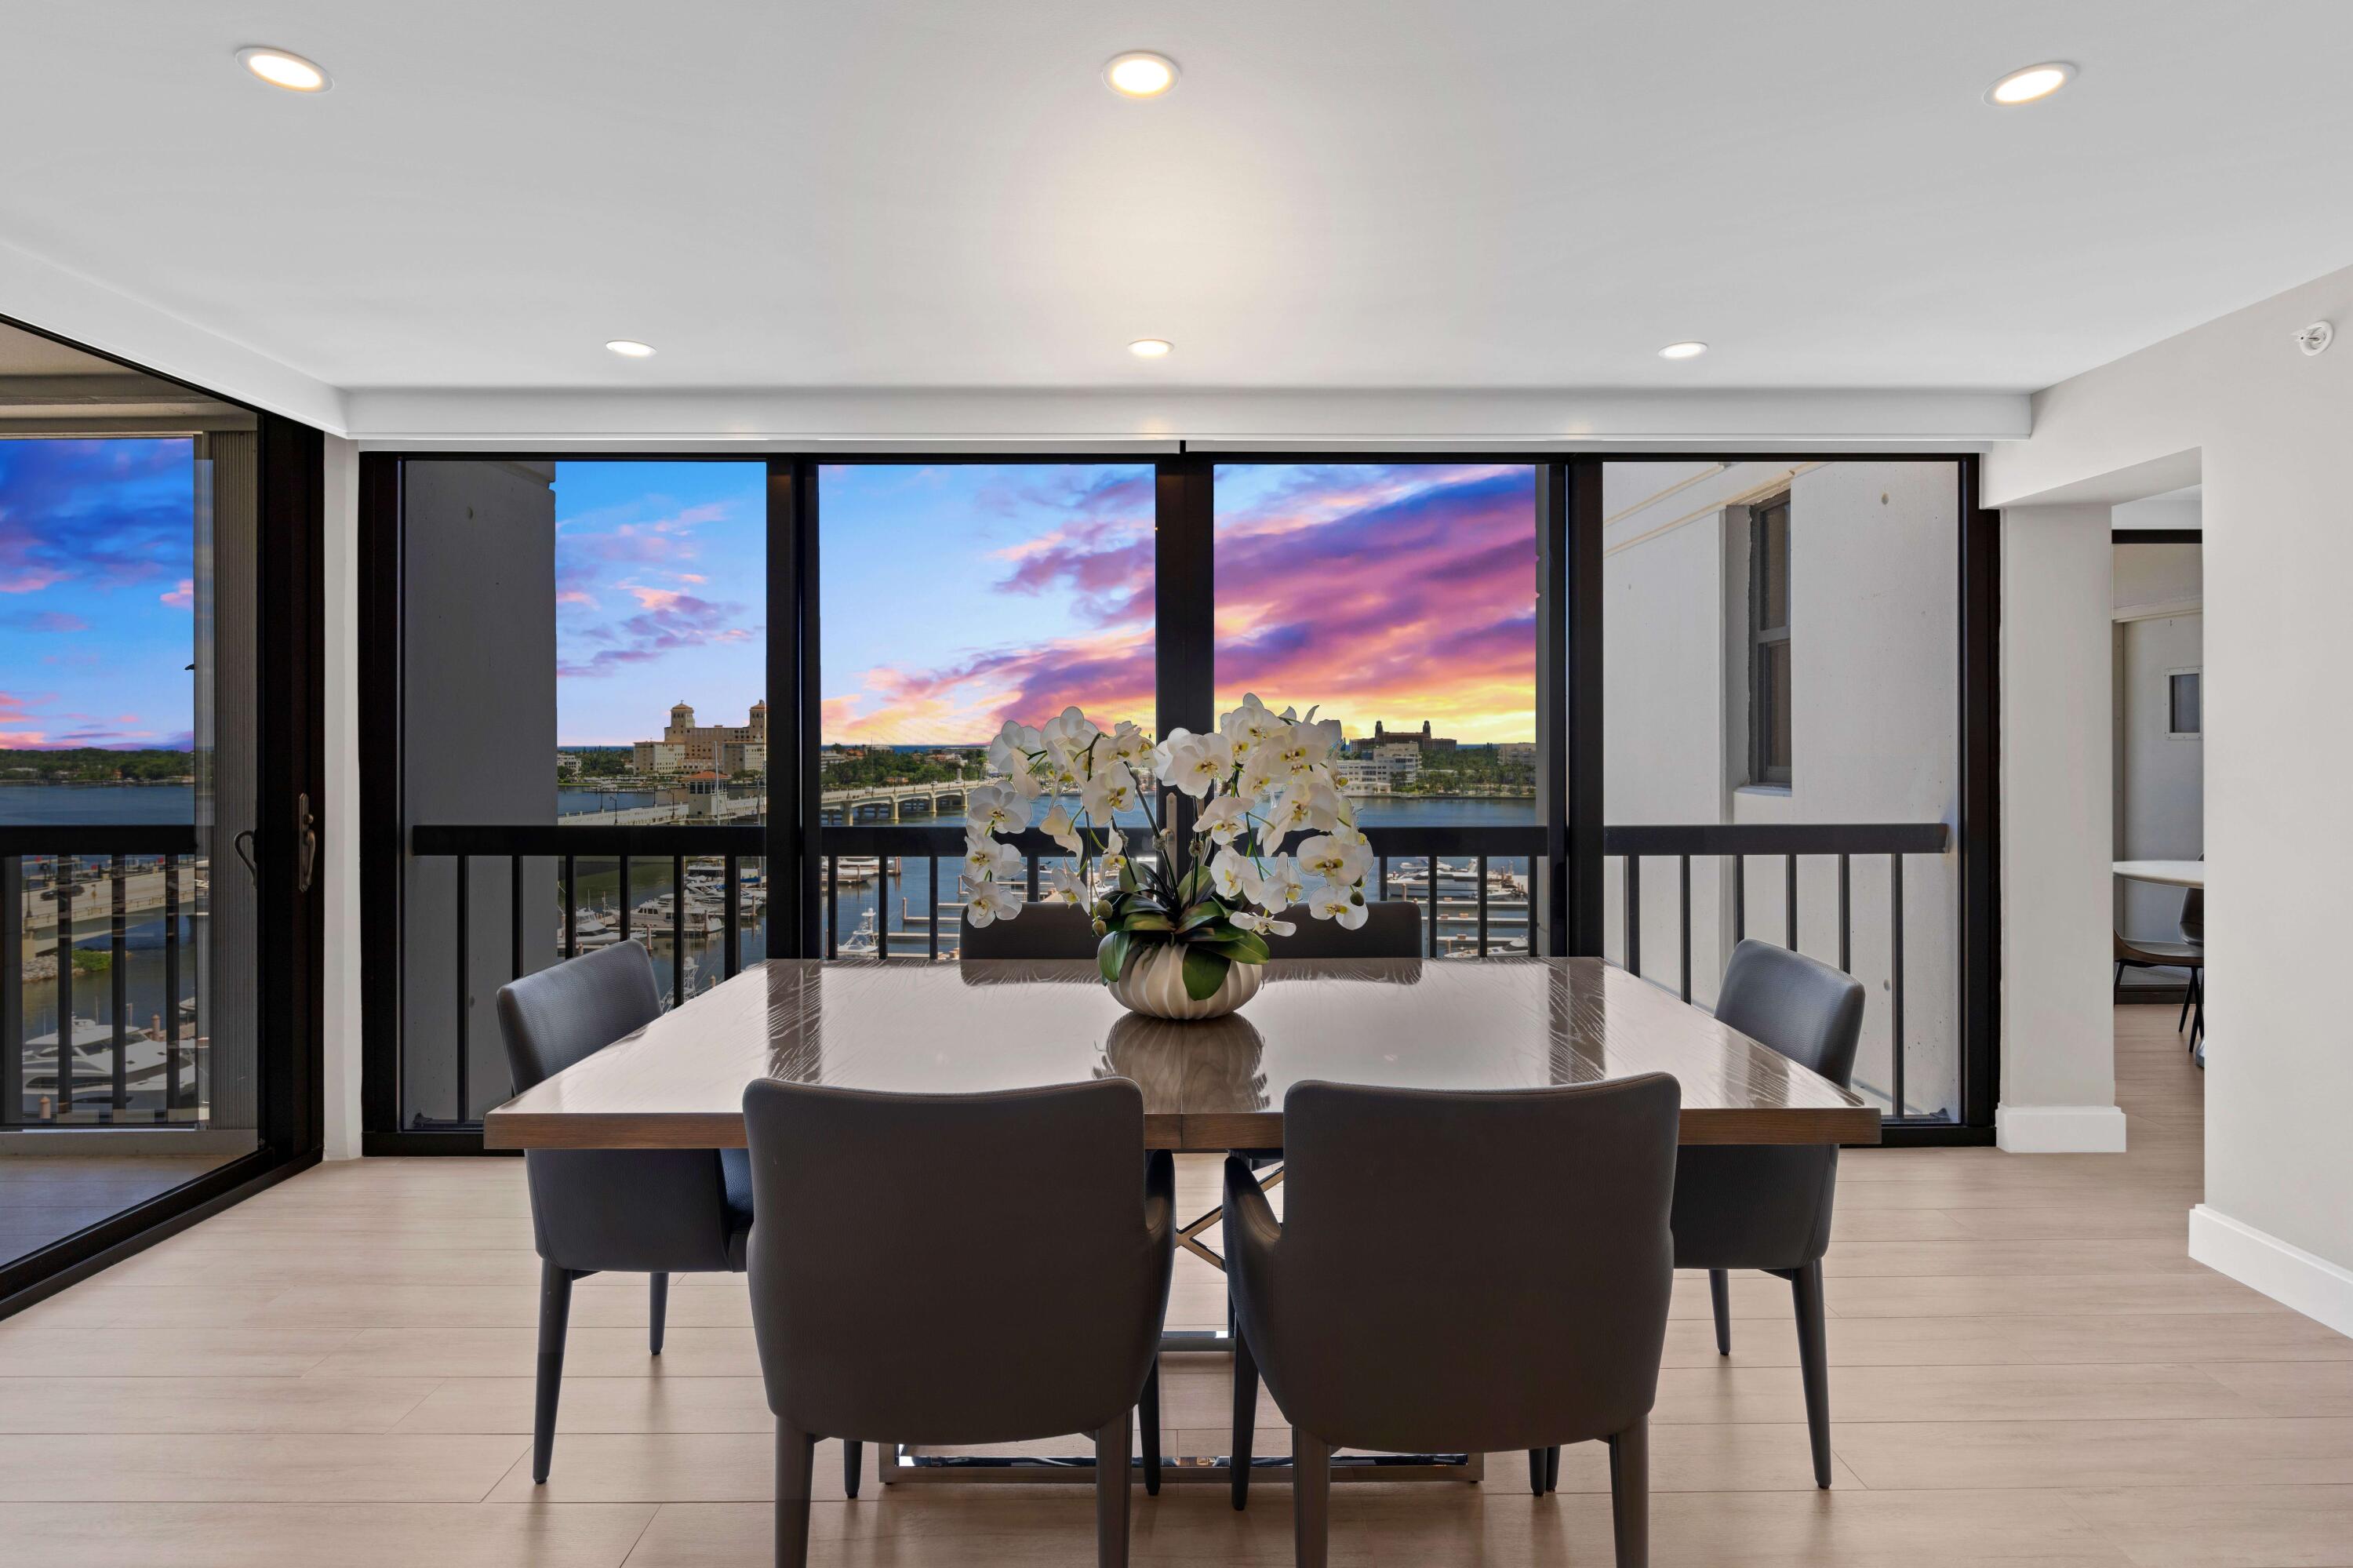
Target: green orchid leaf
1204 971
1146 920
1110 956
1201 914
1243 948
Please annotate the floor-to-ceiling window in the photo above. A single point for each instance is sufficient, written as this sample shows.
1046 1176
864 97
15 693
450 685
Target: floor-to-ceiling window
1400 599
1784 637
137 874
955 597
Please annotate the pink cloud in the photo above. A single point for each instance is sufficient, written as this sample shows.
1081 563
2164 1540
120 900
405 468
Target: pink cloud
32 580
53 621
183 596
654 597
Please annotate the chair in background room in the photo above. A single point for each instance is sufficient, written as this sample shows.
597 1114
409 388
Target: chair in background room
2189 954
1044 929
656 1212
1392 930
901 1318
1745 1206
1530 1317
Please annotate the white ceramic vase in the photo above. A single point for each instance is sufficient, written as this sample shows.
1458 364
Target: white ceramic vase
1154 986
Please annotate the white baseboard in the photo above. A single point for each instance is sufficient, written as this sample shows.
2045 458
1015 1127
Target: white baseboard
2058 1129
2288 1274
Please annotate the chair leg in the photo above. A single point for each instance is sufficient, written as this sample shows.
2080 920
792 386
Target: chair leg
1536 1471
658 1304
1310 1498
2189 990
853 1457
1111 1494
1148 1423
1630 1494
554 1313
2117 985
796 1457
1813 1359
1552 1468
1245 1418
2198 1017
1719 1296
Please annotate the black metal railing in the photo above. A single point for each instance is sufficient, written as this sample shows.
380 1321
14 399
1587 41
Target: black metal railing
56 866
1736 845
883 851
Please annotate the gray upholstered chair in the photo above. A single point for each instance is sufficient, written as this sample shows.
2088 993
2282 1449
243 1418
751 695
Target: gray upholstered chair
1770 1208
658 1211
1058 1297
1392 930
1044 929
1561 1270
2188 954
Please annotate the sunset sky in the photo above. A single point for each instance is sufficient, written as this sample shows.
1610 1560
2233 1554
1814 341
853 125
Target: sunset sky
661 574
958 595
97 593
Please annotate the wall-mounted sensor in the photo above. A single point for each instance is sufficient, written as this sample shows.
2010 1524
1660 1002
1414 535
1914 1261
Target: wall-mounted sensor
2315 337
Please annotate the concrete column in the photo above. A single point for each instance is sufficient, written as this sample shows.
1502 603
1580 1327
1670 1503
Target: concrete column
2058 1025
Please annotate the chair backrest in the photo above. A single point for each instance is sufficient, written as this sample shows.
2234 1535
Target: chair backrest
1474 1271
606 1209
1392 930
1800 1006
1044 929
553 1017
956 1268
2193 915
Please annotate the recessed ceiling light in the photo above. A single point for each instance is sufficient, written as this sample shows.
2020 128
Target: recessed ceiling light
1141 74
1682 351
2031 85
279 68
1150 348
630 348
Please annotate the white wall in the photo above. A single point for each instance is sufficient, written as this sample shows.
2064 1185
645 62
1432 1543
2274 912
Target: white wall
1874 649
2058 1043
339 840
2267 429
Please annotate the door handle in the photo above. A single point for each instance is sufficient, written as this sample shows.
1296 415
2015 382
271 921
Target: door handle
243 843
306 843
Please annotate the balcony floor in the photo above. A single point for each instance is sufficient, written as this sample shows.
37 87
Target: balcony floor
46 1198
2025 1366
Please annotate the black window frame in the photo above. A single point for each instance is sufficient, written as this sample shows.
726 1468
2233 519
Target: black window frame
1764 711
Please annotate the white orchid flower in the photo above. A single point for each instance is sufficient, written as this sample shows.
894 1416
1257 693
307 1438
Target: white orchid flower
1197 762
1340 865
1069 733
1111 865
1338 903
993 809
1302 745
1223 819
1058 827
1014 745
992 901
1109 792
1229 872
1025 785
1265 924
1277 884
1129 744
1064 882
986 860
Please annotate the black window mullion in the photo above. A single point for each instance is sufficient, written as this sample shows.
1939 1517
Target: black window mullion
1184 593
794 793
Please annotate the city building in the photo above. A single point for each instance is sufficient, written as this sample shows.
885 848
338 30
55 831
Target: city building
567 764
739 756
1422 738
702 744
652 757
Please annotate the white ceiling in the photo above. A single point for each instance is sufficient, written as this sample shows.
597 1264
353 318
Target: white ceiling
1516 194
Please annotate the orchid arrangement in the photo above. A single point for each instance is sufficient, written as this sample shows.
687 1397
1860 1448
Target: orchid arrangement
1247 789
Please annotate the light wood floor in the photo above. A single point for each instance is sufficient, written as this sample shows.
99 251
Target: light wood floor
2026 1368
47 1198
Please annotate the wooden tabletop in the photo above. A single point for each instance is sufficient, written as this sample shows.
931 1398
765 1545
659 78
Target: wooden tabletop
2169 872
912 1026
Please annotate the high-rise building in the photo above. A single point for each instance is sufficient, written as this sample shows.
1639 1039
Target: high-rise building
703 747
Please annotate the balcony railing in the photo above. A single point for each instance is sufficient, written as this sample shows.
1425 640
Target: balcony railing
1734 844
56 882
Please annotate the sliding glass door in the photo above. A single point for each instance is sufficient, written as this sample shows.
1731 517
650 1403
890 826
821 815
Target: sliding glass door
146 904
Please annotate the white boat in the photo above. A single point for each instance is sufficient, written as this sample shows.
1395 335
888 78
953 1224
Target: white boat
860 943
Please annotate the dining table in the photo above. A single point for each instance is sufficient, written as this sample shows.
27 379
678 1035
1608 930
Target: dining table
1211 1087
